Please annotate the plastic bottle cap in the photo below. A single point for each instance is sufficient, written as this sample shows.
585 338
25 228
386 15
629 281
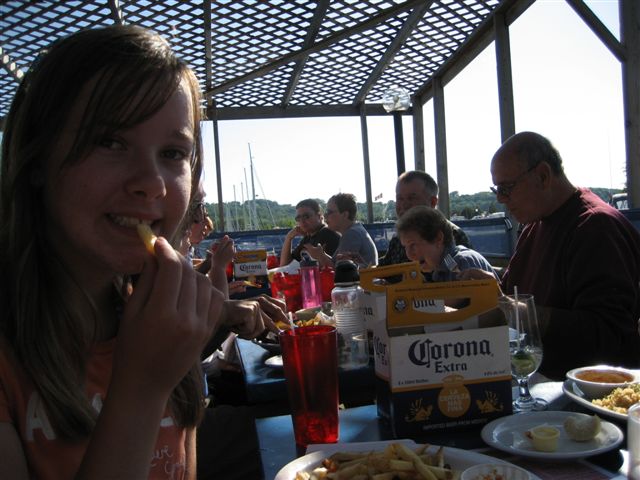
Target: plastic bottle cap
308 262
346 272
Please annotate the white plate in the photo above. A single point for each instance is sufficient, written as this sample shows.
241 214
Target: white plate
572 391
274 362
458 459
507 434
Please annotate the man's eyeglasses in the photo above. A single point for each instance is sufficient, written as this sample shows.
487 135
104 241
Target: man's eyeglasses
505 189
304 216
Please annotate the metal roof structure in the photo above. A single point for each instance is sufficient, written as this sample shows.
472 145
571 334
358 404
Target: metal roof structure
301 58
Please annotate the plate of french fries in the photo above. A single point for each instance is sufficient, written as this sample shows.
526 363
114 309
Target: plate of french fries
385 460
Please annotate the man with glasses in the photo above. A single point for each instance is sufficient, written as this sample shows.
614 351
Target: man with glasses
310 225
416 188
577 255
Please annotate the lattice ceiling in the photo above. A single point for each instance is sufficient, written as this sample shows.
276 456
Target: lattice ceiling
270 56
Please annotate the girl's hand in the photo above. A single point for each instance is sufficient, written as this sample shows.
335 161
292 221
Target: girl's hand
166 323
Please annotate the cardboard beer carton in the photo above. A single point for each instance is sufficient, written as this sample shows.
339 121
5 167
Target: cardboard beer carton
436 367
251 265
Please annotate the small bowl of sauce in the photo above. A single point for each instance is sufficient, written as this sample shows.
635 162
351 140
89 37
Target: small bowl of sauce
545 438
600 380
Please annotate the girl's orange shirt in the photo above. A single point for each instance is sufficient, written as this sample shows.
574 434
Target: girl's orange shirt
48 456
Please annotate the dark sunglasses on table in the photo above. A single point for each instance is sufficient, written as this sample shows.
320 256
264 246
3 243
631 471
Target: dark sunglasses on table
505 189
304 216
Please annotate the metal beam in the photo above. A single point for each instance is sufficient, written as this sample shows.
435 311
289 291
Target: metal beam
395 45
505 95
599 28
472 46
10 66
418 135
208 47
364 132
505 82
116 12
327 42
243 113
630 35
397 129
441 147
216 141
206 24
312 33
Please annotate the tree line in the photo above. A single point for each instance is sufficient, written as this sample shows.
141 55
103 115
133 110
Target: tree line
270 214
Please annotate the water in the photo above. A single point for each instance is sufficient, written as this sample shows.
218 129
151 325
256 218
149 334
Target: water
525 361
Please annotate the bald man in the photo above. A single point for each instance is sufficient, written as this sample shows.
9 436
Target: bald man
577 255
416 188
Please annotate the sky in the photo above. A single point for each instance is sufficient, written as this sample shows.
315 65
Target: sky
567 86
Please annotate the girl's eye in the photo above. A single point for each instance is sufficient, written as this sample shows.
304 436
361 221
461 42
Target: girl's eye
176 154
110 143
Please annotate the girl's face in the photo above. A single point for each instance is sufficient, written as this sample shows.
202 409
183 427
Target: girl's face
142 174
428 254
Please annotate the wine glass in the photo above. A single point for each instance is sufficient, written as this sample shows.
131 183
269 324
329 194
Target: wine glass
525 347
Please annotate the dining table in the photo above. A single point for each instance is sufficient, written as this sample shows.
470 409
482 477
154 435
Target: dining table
362 424
266 388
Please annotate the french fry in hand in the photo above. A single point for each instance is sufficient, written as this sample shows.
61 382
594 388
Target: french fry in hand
147 236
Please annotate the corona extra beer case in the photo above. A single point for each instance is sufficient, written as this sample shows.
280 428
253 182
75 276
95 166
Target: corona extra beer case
437 367
251 265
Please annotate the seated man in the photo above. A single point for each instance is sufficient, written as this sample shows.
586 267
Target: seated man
355 242
416 188
577 255
310 224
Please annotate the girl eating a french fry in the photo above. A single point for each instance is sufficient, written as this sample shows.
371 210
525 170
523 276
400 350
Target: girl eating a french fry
99 376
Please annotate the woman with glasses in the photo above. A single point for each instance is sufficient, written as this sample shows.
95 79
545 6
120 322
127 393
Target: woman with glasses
310 225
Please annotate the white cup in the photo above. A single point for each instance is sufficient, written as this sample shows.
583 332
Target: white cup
633 441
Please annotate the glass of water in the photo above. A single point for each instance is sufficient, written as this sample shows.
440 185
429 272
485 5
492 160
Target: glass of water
525 347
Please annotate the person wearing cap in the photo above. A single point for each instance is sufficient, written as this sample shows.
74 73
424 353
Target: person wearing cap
310 224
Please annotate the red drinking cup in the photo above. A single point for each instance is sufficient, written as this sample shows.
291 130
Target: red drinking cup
310 360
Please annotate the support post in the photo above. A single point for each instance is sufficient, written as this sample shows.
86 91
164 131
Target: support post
367 167
397 128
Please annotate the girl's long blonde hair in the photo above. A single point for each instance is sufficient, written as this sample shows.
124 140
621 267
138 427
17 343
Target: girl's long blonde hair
133 72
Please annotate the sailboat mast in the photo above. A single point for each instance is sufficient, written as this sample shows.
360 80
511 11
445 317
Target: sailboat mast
253 190
246 186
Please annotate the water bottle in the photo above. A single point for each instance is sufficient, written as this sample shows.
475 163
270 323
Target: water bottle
310 283
345 302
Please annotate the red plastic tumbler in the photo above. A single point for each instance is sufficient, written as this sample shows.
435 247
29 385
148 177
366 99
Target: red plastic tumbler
310 360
